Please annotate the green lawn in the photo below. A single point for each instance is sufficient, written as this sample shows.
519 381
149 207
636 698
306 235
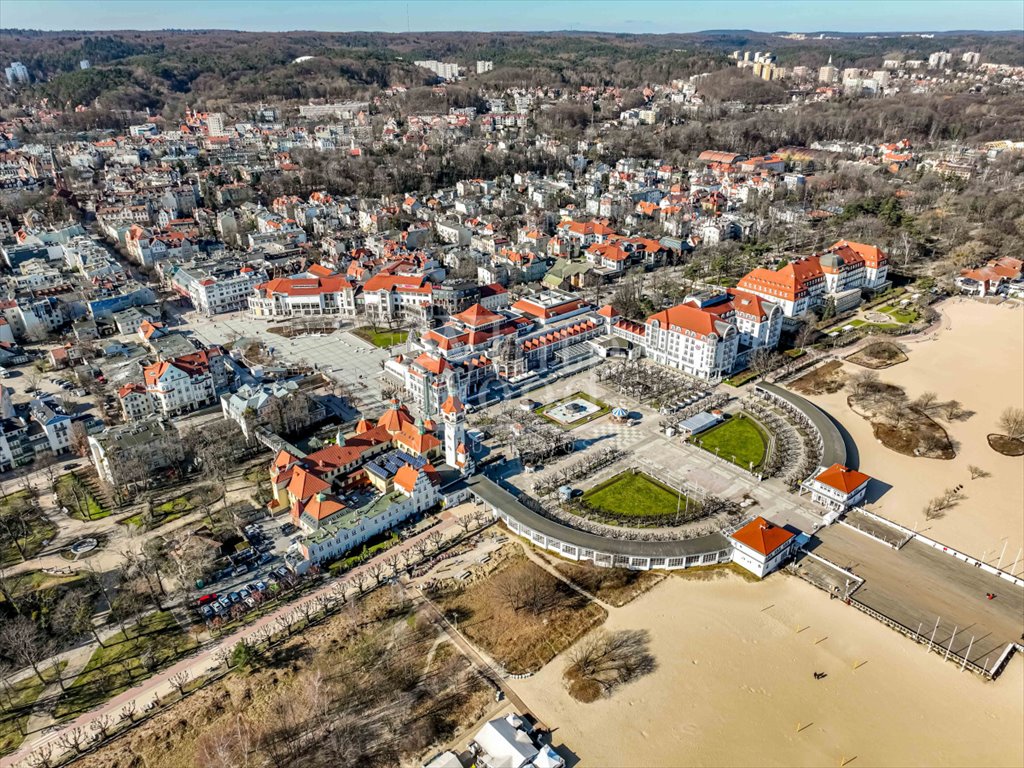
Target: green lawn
633 495
120 664
16 710
604 409
162 513
76 496
40 529
904 315
738 437
741 378
371 547
381 339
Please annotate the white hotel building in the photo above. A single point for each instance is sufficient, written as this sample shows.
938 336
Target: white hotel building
711 337
842 273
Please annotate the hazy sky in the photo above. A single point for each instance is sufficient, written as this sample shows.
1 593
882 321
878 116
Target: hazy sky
528 15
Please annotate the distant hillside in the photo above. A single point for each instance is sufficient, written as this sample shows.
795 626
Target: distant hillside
133 70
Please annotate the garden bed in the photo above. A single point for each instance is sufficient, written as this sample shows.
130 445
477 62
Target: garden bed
1006 445
878 355
910 432
824 380
616 586
521 615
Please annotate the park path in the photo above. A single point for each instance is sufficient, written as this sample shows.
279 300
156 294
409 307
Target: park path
206 660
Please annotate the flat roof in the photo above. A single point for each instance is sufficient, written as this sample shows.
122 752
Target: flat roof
498 497
833 445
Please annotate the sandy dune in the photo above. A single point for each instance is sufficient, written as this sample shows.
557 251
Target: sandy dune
735 683
977 358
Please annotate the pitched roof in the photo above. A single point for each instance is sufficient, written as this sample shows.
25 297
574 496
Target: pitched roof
842 478
305 484
406 476
686 317
761 536
452 405
478 315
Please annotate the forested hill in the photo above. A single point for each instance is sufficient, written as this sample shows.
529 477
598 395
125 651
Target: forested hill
133 70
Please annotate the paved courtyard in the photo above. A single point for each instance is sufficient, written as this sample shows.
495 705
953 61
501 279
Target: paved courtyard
668 459
341 354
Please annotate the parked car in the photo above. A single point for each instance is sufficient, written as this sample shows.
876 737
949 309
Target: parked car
234 597
288 529
265 558
208 598
218 609
207 611
281 571
224 602
244 593
250 602
238 570
261 586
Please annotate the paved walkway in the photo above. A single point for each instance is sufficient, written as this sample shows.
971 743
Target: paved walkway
207 660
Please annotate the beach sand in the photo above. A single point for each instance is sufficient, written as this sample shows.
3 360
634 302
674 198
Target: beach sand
735 682
977 357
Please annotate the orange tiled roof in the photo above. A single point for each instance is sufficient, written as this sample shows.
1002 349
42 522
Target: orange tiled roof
842 478
762 537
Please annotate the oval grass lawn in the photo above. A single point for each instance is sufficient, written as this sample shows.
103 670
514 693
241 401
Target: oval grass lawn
738 437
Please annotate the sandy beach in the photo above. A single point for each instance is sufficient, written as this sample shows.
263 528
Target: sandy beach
734 686
977 357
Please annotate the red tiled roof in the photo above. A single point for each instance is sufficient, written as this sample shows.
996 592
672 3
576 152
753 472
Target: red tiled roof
762 537
842 478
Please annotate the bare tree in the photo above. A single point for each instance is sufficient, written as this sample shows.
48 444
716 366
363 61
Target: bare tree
179 680
435 539
605 660
925 402
22 640
127 713
953 410
863 382
359 578
376 571
391 561
101 723
1011 422
976 472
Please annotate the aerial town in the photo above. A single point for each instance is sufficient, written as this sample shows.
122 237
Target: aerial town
503 400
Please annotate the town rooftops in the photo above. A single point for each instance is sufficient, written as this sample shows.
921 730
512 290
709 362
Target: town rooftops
843 479
762 537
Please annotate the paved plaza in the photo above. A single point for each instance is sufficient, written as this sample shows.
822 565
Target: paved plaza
341 354
669 459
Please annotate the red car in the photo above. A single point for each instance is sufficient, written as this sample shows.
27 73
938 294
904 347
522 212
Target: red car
207 599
